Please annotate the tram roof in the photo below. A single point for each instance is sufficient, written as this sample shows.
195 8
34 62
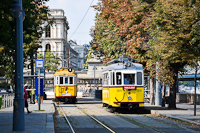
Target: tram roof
64 71
120 66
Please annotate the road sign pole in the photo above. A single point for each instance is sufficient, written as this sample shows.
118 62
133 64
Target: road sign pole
39 90
39 64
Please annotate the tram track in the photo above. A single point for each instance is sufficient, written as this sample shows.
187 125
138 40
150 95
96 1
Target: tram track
99 120
93 118
104 125
139 123
72 129
128 119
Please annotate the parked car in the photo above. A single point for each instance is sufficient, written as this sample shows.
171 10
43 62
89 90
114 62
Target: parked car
6 88
10 90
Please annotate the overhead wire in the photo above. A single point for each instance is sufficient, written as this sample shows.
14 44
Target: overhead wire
81 20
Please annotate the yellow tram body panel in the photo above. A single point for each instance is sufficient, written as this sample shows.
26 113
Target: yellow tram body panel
65 91
115 96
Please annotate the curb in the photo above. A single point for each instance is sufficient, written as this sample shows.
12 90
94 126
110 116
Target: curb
175 117
50 122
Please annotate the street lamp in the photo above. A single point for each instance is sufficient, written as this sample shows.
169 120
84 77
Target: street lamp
94 68
18 110
16 9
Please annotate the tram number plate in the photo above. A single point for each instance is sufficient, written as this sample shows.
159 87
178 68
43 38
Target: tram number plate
66 94
130 87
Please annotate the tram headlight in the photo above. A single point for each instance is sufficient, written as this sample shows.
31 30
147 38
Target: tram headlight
129 97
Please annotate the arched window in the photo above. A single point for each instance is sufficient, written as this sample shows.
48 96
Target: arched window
48 31
48 47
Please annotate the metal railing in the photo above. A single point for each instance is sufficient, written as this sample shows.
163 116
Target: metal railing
6 100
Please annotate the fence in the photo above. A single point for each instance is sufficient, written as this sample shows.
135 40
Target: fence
6 100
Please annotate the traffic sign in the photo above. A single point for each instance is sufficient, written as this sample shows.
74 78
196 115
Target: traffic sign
39 63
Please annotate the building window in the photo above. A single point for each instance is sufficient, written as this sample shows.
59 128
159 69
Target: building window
48 47
48 31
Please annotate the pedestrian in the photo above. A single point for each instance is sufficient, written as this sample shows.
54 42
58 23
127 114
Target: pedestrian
32 94
80 89
26 98
85 89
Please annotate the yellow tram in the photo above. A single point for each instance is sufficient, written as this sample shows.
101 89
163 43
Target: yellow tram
123 84
65 85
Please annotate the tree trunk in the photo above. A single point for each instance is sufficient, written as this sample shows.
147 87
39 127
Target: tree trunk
173 88
163 96
152 100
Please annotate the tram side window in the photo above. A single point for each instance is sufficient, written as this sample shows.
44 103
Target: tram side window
119 78
70 80
61 80
66 80
113 78
105 79
139 78
57 80
129 79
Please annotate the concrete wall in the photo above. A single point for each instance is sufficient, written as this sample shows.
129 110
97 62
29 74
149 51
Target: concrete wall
187 98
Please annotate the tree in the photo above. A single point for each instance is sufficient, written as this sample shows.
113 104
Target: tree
171 26
158 32
36 15
51 61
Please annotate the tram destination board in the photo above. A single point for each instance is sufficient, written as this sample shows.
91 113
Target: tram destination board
130 87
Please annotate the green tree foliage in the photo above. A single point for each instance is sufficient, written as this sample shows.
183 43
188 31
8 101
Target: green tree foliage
159 33
171 46
36 15
51 61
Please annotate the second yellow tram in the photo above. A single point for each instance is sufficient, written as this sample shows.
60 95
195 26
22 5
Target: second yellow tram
65 85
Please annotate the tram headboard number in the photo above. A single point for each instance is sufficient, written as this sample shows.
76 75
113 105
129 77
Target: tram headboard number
130 87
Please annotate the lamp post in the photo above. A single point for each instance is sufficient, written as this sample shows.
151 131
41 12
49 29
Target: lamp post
94 68
18 110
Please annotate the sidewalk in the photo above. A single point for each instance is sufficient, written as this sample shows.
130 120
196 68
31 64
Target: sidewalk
35 122
184 112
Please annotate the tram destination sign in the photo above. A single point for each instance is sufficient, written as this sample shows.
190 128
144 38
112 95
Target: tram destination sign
129 87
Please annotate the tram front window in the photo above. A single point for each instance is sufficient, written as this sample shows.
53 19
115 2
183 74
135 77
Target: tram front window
66 80
129 79
61 80
118 76
70 80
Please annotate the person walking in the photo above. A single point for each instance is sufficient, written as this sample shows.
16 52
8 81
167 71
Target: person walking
26 98
32 94
85 89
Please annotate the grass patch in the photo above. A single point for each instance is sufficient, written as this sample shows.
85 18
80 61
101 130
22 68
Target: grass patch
38 110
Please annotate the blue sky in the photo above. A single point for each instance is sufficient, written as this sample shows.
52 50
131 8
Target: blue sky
75 11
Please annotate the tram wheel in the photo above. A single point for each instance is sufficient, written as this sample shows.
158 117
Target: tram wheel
74 100
56 100
104 105
111 109
66 100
